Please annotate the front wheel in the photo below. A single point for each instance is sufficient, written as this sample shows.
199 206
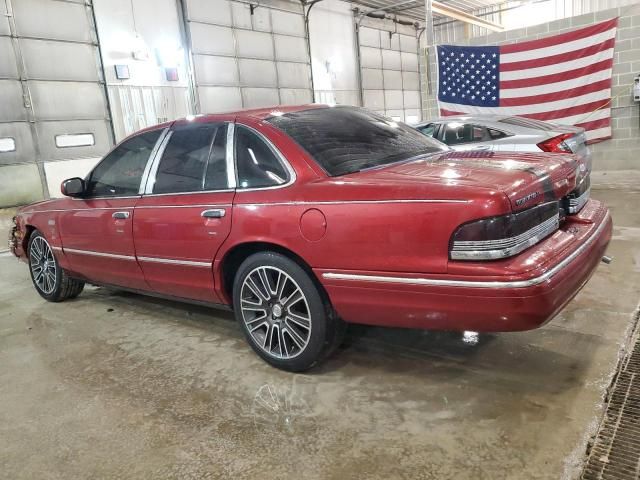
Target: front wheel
283 314
49 279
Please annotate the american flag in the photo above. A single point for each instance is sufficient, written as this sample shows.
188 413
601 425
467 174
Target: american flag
564 79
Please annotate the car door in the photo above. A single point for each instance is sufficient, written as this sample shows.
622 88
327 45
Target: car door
185 213
97 232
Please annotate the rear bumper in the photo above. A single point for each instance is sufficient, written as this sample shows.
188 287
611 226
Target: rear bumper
516 302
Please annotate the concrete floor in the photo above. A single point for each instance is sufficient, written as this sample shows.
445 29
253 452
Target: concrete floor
115 385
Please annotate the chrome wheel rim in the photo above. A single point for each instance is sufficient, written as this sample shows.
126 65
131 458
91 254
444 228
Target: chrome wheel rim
43 265
275 312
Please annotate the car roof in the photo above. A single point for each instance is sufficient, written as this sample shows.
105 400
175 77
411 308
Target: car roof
256 113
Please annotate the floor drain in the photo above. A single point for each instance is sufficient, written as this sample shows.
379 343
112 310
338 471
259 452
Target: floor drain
615 453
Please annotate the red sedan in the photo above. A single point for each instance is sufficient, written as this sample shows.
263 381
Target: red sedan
303 218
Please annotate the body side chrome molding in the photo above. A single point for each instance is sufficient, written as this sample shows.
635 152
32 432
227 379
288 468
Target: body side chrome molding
344 202
98 254
75 210
170 261
470 283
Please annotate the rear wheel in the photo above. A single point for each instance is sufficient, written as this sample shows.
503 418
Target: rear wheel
284 315
49 279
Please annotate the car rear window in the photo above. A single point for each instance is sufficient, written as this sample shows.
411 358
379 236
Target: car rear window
527 123
348 139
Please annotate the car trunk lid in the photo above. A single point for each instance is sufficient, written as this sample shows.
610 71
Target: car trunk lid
527 179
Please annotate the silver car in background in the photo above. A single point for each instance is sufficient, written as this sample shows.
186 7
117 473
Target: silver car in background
509 133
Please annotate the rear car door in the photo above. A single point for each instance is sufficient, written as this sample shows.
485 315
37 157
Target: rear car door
97 232
185 212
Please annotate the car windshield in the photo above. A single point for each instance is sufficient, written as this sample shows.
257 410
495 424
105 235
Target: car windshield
349 139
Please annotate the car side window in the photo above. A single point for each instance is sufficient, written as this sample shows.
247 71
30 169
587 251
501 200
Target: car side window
185 165
496 134
120 172
257 164
428 129
457 133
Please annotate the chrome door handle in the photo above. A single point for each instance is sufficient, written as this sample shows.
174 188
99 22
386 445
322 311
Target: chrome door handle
120 215
213 213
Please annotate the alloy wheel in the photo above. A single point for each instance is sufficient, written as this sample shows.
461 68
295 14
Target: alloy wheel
275 312
43 265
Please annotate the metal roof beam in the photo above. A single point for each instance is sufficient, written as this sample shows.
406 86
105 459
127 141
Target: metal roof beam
463 16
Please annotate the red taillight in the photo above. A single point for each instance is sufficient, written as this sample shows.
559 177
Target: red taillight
556 144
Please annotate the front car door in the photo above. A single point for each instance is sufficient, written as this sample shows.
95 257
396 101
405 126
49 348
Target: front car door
185 213
97 232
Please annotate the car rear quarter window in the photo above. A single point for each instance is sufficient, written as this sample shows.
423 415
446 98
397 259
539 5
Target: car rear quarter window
257 164
429 129
193 160
120 172
344 139
456 133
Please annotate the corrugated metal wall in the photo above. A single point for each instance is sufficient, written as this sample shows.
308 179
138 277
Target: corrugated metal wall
248 56
53 103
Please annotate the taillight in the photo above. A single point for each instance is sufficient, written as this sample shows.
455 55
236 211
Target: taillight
556 144
506 235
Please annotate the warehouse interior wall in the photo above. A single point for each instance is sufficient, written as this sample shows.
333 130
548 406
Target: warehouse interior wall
164 59
333 55
623 150
143 39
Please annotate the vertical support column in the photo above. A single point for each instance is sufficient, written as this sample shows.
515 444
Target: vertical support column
356 26
185 34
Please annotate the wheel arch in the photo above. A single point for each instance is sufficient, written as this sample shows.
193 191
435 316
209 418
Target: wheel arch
234 257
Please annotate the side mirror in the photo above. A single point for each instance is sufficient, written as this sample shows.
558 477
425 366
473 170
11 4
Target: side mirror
73 187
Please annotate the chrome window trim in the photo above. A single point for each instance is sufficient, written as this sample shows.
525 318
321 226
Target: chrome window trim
153 169
223 190
147 168
144 172
170 261
470 283
230 156
208 205
84 199
98 254
276 151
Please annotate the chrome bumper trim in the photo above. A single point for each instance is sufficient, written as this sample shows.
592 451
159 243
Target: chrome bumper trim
470 283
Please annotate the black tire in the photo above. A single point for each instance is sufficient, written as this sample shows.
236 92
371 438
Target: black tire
58 285
288 351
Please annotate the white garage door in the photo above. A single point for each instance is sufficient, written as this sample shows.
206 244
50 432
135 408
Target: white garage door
53 106
389 69
247 56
